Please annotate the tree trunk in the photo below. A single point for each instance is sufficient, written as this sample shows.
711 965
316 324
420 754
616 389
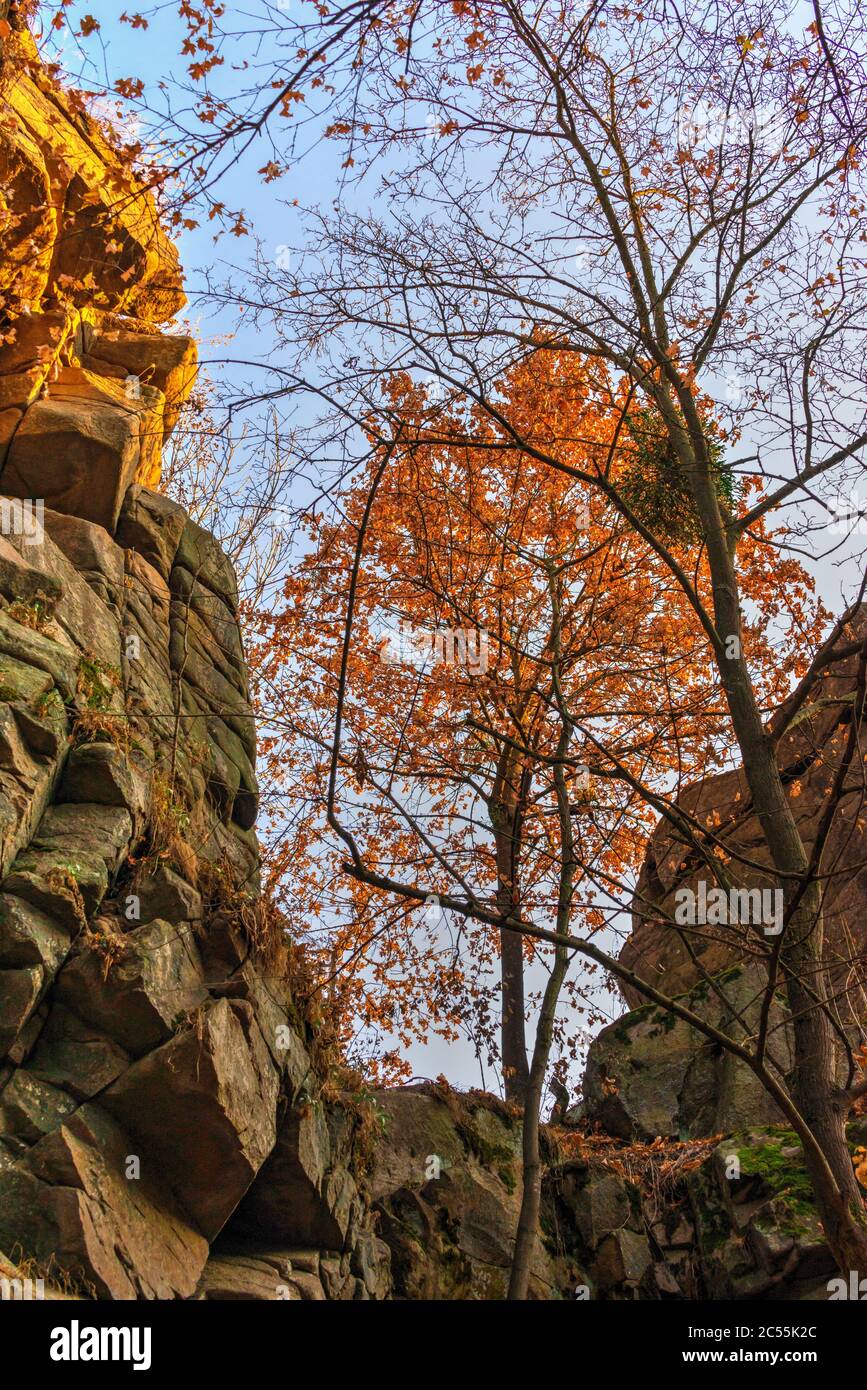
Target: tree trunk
531 1195
506 819
531 1191
839 1202
513 1046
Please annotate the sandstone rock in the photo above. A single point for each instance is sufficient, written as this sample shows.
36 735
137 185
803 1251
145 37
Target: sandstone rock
28 775
90 628
25 1040
21 682
30 1108
91 551
99 441
101 773
24 582
219 697
10 419
650 1074
205 562
213 621
666 1282
31 648
61 872
371 1262
336 1277
418 1126
656 950
139 1097
40 341
19 993
66 886
151 525
145 994
75 1056
604 1207
756 1227
75 827
43 728
70 188
623 1258
296 1198
204 1105
239 849
29 235
70 1198
29 937
168 363
451 1235
163 893
268 1278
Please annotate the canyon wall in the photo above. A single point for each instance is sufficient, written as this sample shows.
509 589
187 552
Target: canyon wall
156 1087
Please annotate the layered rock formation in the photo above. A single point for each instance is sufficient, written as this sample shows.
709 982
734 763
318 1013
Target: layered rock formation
151 1057
157 1092
812 727
86 271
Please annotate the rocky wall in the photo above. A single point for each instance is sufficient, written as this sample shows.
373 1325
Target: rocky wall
163 1132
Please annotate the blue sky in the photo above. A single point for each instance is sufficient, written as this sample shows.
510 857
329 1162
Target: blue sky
153 56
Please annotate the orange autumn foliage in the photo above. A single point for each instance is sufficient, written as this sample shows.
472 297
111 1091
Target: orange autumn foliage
530 604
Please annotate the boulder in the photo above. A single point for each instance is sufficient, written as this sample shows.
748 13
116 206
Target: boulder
30 1108
152 525
245 1277
66 868
31 648
623 1259
19 995
74 1200
446 1181
302 1195
86 625
141 992
204 1107
205 563
31 754
163 893
90 550
154 359
99 441
650 1074
75 1056
29 937
101 773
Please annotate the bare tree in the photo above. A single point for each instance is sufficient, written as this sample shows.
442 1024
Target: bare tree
705 173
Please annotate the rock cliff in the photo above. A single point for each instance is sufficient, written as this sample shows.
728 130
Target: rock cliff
157 1088
812 726
169 1125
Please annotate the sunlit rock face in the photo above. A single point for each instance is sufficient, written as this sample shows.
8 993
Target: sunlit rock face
89 387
